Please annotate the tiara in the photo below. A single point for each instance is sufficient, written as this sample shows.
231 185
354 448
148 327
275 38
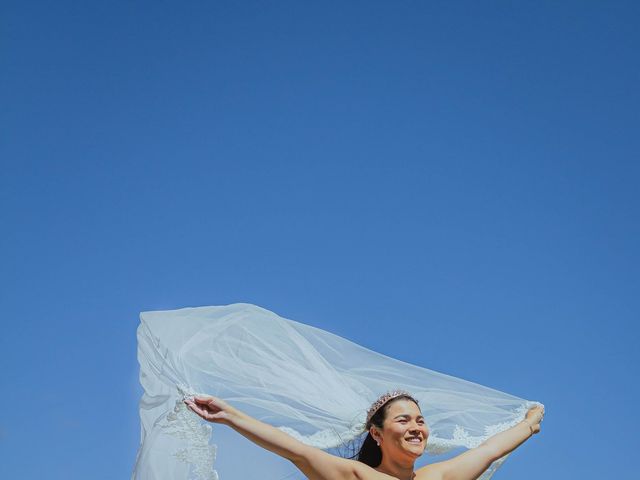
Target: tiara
384 398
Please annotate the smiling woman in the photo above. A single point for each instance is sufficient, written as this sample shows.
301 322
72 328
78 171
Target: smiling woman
320 391
394 422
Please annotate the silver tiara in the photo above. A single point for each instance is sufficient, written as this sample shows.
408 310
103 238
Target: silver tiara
384 398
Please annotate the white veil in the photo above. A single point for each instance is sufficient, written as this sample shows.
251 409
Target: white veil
310 383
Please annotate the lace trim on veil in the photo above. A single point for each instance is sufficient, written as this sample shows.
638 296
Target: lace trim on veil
183 424
200 454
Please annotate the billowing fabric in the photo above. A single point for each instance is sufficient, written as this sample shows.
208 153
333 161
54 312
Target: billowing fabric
310 383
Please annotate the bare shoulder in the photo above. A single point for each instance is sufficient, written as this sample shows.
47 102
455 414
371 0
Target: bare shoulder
433 471
428 472
365 472
319 465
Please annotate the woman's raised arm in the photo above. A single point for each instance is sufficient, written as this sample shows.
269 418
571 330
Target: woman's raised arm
313 462
472 463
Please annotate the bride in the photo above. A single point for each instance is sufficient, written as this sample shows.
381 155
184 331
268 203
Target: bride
304 394
398 429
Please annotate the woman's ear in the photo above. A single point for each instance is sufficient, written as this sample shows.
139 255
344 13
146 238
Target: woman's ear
375 434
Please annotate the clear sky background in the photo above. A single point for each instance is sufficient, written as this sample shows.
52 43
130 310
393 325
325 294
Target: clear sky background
454 184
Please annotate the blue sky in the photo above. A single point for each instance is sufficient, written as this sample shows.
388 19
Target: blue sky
454 184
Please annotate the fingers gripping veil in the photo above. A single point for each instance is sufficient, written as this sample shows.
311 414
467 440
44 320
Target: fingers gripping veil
310 383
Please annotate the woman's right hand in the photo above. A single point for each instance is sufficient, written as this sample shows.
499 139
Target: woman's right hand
212 409
312 462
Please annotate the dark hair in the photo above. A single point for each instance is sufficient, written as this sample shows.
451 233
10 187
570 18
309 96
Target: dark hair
370 453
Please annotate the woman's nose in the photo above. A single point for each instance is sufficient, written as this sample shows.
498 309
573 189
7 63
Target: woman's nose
418 428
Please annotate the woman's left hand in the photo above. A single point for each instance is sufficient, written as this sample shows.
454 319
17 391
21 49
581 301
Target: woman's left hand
534 417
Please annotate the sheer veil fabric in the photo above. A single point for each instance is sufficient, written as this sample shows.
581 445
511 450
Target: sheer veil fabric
312 384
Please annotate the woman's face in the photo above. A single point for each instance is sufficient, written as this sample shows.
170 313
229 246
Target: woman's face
404 433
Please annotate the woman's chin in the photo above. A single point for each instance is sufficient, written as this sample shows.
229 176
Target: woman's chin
416 450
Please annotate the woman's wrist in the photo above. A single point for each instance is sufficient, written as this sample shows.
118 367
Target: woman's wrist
234 416
529 426
533 428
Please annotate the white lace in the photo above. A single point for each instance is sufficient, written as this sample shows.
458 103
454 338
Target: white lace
462 438
324 439
185 425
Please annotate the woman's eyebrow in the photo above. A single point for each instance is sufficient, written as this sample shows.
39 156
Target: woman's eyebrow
406 415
